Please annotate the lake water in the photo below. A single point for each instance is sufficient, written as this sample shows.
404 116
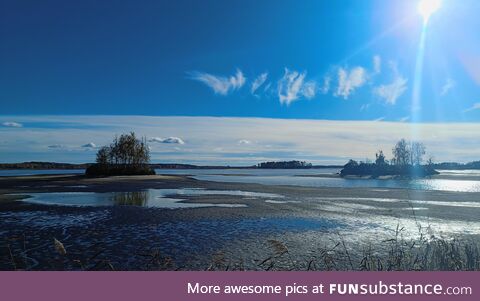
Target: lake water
303 177
309 178
158 198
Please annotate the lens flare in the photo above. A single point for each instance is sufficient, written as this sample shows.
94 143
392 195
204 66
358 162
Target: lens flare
427 8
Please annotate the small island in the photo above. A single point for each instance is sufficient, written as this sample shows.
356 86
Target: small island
126 155
406 163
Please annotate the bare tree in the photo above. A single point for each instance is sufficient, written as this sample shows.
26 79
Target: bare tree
417 151
103 156
401 153
380 158
125 151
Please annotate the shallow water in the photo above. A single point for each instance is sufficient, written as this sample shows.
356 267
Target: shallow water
157 198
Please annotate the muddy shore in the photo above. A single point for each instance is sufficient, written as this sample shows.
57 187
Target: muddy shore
304 220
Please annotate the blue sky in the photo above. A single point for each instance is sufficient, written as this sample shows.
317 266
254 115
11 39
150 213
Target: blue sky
321 60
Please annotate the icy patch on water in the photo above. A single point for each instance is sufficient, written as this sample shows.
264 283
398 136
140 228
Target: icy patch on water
200 191
414 208
275 202
157 198
346 207
280 201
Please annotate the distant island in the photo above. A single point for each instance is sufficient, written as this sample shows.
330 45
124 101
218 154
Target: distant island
292 165
406 162
126 155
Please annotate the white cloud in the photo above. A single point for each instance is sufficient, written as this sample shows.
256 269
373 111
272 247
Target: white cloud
476 106
292 86
244 141
326 84
220 84
404 119
379 119
89 145
169 140
267 87
258 82
350 80
391 92
12 124
449 85
309 89
377 64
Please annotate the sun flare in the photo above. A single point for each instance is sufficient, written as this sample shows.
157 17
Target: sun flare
427 8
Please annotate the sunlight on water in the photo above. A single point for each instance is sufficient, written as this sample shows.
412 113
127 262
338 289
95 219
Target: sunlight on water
452 203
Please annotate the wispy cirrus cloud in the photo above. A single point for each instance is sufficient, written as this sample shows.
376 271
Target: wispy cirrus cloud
350 80
222 85
326 84
292 86
12 124
449 85
258 82
475 106
309 89
389 93
169 140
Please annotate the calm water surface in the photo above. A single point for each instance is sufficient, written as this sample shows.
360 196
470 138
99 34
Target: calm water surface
303 177
309 178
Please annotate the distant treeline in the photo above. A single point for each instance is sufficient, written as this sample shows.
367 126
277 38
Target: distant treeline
285 165
453 165
53 165
43 165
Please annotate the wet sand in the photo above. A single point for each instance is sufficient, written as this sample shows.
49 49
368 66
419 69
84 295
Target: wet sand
305 220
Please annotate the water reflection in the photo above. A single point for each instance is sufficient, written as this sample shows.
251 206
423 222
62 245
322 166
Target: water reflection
131 198
158 198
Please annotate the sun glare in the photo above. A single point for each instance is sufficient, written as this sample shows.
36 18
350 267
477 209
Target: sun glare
428 7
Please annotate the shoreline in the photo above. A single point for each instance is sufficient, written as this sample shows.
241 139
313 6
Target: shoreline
191 237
